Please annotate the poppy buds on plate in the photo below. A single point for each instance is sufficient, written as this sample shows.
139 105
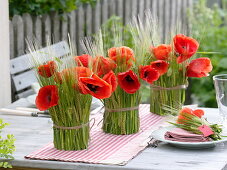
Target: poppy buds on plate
47 97
47 70
199 67
128 81
185 47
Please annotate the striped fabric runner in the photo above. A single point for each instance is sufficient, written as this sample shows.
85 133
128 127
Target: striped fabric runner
106 148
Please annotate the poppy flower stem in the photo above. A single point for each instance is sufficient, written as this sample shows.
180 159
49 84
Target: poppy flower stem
122 122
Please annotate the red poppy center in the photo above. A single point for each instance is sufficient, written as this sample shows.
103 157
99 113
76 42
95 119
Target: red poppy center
92 87
129 78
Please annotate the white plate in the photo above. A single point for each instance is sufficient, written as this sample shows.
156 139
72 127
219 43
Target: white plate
159 135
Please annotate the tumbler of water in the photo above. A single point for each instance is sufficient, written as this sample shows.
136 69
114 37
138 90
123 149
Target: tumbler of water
220 84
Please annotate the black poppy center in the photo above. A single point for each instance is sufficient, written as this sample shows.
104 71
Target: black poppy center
146 74
48 98
158 64
129 78
92 87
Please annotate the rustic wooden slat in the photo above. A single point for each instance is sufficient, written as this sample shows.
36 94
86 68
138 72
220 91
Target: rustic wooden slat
178 14
64 26
112 7
21 63
24 80
80 28
167 20
97 17
128 11
154 8
88 14
28 26
190 7
104 11
120 8
141 9
19 34
11 41
56 27
134 8
72 25
184 15
148 4
161 17
46 27
38 29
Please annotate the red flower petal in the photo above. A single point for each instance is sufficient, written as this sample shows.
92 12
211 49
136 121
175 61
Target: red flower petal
148 74
123 56
161 66
103 65
96 87
162 52
181 118
47 70
199 67
83 60
185 47
111 79
128 81
198 112
47 97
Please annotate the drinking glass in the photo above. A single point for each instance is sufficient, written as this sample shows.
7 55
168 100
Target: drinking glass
220 84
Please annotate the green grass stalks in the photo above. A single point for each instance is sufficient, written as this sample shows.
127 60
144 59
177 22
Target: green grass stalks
124 122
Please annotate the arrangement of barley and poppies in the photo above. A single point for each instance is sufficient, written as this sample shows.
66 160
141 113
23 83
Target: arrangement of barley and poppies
115 77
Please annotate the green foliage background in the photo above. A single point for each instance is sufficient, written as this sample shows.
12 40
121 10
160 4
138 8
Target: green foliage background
209 26
6 147
39 7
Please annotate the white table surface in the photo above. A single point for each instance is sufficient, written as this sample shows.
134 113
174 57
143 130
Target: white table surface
32 133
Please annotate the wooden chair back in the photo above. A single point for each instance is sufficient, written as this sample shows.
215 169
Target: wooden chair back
23 77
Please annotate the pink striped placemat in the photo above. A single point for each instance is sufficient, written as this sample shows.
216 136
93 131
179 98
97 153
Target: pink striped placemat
106 148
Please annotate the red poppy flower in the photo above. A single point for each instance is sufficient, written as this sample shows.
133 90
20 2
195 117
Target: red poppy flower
185 47
111 79
198 112
161 66
83 60
123 56
181 118
47 70
199 67
47 97
148 74
95 86
162 52
128 81
102 65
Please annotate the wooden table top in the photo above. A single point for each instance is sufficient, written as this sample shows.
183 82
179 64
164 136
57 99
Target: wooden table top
32 133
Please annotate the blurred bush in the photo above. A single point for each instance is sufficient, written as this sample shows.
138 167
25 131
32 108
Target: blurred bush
209 26
39 7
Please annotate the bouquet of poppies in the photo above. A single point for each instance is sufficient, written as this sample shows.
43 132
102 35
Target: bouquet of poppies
173 62
118 67
67 87
193 121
